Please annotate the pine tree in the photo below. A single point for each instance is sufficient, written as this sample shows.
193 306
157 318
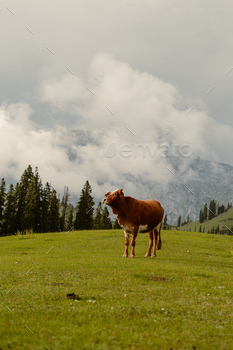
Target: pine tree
179 221
2 200
46 194
53 213
201 217
70 217
223 208
33 204
188 219
8 221
18 205
165 221
212 210
105 221
98 215
64 204
205 212
84 214
210 214
20 197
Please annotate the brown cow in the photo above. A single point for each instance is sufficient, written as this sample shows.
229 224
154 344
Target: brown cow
137 216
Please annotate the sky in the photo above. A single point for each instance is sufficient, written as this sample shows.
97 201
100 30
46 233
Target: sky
149 73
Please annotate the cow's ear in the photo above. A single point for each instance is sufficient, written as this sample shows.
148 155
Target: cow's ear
121 192
107 194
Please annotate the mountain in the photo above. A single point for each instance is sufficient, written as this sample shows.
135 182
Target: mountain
207 180
197 181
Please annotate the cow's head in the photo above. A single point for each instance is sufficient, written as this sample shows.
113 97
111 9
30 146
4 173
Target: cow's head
113 198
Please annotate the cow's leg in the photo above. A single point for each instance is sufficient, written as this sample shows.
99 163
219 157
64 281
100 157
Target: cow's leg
155 243
126 245
150 235
159 242
133 241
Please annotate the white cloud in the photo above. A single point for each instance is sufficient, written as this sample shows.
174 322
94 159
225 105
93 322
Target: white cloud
63 92
183 42
144 103
140 101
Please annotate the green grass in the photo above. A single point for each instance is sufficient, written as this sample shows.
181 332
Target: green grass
223 220
182 299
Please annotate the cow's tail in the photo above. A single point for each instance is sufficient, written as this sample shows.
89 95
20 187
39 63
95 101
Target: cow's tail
159 241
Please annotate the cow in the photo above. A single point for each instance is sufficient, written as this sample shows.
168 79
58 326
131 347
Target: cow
145 216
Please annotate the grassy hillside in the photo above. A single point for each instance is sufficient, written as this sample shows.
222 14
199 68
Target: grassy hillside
182 299
225 219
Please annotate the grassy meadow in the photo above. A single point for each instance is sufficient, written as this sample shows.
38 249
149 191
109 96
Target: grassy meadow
182 299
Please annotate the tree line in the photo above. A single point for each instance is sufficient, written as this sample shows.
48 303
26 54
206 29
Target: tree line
219 229
213 210
179 223
207 213
31 206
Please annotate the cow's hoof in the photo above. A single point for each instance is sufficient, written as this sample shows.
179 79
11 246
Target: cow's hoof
146 256
125 256
153 256
131 256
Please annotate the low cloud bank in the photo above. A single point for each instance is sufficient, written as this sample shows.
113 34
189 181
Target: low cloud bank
129 114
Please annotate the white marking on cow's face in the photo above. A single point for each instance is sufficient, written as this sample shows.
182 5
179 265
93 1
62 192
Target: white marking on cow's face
142 228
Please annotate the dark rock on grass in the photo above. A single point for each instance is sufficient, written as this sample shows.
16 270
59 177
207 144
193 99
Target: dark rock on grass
72 296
